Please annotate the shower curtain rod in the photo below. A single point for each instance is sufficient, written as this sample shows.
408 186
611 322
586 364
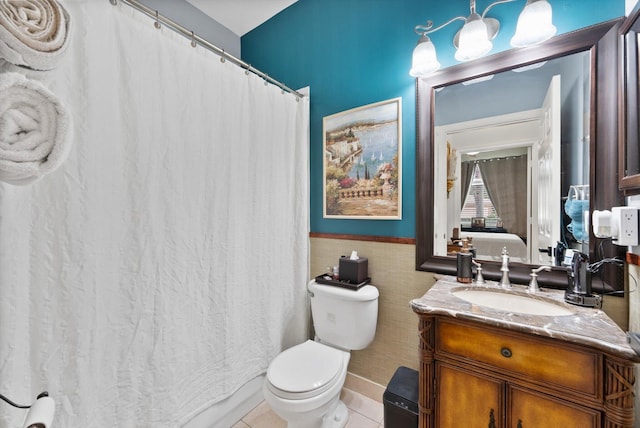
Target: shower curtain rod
195 38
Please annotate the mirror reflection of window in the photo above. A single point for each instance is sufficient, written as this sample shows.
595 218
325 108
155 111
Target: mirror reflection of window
478 203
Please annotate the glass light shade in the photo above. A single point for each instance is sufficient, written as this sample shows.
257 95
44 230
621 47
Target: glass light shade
474 40
424 60
534 24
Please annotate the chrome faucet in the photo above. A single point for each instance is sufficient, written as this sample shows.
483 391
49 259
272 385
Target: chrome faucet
479 277
504 281
533 284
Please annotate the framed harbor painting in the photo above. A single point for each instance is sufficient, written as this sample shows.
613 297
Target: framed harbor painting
362 175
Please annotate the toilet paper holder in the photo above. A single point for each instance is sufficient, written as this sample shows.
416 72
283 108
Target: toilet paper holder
40 413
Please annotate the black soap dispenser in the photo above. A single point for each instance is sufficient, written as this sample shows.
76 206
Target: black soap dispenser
464 262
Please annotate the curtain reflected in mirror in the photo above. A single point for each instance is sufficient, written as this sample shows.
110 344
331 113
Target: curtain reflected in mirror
505 180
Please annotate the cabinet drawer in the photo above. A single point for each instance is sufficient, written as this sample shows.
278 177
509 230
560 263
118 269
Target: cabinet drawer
519 355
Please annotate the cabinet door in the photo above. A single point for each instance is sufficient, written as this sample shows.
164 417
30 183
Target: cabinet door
527 409
465 399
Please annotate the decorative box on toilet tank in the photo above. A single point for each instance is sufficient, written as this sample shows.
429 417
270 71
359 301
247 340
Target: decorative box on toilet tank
354 271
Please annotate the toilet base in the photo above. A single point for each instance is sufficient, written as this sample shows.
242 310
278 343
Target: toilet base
336 417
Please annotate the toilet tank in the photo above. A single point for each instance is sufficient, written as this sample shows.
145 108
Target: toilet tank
343 317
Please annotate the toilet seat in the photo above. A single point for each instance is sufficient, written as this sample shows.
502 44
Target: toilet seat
305 370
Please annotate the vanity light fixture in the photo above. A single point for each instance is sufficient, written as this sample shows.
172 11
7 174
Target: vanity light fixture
473 40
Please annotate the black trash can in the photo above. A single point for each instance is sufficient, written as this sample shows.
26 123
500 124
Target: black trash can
400 399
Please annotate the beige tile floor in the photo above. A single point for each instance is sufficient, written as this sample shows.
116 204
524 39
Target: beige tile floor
363 413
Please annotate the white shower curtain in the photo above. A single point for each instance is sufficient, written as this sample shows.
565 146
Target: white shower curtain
165 263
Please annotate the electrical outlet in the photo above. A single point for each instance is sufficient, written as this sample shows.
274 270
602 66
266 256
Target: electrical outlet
627 220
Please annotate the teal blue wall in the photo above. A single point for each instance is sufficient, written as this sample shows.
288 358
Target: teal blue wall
356 52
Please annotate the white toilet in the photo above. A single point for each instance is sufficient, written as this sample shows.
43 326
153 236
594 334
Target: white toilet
303 383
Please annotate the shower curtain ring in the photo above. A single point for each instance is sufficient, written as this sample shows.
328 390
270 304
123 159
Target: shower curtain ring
222 56
247 70
193 40
114 2
157 23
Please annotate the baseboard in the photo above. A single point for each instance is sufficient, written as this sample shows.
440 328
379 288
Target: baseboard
364 386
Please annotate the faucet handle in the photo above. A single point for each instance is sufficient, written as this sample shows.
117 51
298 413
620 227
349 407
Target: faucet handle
533 285
540 269
479 277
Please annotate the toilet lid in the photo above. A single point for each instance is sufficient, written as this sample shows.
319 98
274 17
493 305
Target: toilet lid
308 367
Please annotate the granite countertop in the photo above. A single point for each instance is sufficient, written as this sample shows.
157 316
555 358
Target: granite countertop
586 326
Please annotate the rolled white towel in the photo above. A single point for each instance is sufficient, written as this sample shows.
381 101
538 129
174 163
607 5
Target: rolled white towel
34 130
45 77
33 33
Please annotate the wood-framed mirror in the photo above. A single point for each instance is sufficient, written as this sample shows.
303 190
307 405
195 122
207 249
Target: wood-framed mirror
601 43
629 146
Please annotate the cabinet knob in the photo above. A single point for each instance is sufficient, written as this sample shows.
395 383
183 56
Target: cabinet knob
519 423
506 352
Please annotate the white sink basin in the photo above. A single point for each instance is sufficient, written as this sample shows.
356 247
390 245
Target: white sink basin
511 302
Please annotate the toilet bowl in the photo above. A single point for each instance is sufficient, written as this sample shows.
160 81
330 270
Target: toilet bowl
303 383
303 386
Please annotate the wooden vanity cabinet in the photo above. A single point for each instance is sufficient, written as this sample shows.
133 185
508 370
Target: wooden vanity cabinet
476 375
485 401
464 396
